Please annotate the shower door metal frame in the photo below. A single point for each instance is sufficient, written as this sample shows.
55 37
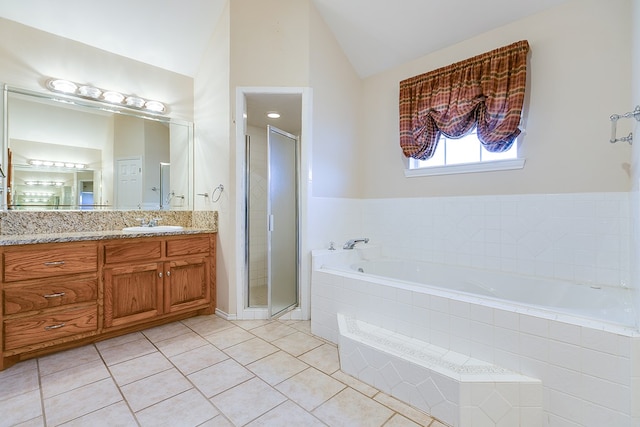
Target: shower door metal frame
296 179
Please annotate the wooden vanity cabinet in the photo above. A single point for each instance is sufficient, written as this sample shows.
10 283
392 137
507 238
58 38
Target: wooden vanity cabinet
49 295
61 295
158 277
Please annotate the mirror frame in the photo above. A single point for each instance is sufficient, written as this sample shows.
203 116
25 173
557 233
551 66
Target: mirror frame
94 105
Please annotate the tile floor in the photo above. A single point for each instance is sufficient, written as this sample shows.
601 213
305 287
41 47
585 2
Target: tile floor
203 371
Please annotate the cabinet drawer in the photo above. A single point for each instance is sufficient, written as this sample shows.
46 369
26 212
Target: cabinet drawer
188 246
49 261
40 329
132 251
51 294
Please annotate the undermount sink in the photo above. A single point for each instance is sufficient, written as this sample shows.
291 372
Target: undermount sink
156 229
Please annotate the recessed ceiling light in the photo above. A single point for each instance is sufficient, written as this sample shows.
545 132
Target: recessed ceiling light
273 115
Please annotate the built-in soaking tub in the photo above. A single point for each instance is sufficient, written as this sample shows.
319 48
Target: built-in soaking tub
579 340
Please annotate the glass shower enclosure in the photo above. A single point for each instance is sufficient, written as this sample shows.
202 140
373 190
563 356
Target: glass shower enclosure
272 246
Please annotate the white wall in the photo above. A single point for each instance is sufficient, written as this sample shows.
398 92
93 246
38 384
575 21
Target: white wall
580 74
213 151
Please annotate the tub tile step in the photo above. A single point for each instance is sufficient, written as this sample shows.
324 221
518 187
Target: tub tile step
450 386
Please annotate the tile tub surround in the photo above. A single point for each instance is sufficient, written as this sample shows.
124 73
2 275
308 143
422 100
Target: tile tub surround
204 371
42 222
590 376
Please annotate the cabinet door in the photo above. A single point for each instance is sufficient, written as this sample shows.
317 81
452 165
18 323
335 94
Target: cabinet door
186 284
132 293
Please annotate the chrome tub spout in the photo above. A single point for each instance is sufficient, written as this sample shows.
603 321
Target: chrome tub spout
352 243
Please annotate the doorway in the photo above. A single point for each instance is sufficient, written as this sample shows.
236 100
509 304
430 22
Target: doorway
272 234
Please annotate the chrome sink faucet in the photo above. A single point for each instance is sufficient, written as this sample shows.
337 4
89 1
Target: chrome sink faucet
352 243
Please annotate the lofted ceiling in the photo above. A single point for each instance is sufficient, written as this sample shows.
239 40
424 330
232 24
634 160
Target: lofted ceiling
374 34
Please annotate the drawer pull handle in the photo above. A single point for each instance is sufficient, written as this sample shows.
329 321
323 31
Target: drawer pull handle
168 273
56 295
160 274
48 328
53 263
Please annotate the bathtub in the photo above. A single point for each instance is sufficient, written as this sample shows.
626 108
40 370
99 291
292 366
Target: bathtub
579 340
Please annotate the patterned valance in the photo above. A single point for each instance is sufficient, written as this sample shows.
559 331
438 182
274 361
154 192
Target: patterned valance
486 91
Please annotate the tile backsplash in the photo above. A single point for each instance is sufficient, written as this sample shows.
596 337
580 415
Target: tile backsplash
582 237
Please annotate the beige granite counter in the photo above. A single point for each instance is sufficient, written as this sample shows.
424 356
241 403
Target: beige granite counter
28 227
28 239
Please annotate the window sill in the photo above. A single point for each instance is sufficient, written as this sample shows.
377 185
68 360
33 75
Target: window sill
497 165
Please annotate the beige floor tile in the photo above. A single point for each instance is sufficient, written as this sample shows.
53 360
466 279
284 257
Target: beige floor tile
402 408
111 342
301 325
229 337
251 324
20 369
34 422
185 409
324 358
219 421
127 351
180 344
164 332
273 331
310 388
151 390
350 408
117 414
198 358
287 414
248 401
80 401
20 408
355 383
141 367
277 367
297 343
72 378
220 377
205 325
251 350
67 359
399 421
23 381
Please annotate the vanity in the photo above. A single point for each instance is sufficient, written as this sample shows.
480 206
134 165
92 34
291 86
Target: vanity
78 174
66 290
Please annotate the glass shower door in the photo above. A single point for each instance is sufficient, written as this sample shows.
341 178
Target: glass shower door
282 263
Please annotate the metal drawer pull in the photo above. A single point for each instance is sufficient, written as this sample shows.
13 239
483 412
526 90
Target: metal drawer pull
52 263
56 295
160 274
168 273
48 328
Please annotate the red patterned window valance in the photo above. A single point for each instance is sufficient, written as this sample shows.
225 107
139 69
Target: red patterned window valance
486 91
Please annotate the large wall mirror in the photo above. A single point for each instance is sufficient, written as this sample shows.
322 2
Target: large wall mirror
66 153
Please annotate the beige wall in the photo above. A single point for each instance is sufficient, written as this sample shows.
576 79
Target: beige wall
269 43
213 151
580 74
28 57
337 94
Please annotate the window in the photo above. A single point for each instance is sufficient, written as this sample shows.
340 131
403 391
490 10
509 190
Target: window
478 99
464 155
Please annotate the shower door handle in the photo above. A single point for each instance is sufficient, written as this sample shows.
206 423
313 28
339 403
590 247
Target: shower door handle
270 223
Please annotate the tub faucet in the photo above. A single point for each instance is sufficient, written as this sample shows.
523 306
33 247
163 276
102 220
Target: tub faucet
352 243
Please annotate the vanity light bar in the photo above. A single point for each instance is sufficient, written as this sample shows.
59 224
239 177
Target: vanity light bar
112 97
57 164
45 183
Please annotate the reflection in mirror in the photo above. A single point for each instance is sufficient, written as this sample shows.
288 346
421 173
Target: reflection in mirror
74 154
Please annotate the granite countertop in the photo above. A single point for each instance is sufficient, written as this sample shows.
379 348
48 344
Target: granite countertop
26 239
